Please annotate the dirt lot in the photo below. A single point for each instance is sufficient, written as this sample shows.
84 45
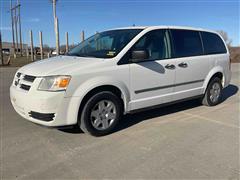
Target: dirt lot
182 141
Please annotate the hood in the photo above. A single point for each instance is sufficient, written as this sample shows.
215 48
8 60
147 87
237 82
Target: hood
59 65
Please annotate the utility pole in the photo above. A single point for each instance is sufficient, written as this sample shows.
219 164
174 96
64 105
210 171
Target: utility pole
16 28
41 43
56 26
16 24
67 42
13 38
31 43
20 29
54 9
1 53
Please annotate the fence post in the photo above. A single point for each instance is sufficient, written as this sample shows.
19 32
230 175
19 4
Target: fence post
82 36
41 44
31 43
27 53
97 43
1 53
67 42
57 35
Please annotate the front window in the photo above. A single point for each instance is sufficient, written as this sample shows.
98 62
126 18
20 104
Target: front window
106 44
156 44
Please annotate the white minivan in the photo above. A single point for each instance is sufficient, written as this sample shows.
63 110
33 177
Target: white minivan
119 71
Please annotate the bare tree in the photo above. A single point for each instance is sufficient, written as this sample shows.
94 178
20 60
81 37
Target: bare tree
225 37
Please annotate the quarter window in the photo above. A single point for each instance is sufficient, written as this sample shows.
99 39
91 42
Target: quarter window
212 43
186 43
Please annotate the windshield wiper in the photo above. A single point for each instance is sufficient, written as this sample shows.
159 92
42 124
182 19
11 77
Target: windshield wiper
81 55
87 55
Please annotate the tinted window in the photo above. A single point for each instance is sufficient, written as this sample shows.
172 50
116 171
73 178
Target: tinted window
186 43
212 43
156 43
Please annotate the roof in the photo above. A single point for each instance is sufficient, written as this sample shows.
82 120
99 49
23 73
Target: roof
164 26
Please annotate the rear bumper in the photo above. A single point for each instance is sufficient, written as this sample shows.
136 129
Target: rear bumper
45 108
227 79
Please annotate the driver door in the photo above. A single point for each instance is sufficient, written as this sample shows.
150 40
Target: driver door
152 79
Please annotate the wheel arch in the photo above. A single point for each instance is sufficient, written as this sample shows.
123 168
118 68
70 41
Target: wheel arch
91 87
115 90
216 72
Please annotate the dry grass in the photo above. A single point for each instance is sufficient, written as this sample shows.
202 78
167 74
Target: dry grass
235 54
18 62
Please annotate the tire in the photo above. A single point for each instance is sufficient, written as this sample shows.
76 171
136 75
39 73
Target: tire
211 99
101 114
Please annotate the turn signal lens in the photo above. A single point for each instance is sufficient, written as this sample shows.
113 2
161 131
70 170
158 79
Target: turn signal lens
63 82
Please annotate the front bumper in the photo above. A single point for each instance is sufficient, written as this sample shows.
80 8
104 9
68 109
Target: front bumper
35 106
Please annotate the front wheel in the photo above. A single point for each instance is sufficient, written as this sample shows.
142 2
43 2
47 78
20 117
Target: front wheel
101 114
213 92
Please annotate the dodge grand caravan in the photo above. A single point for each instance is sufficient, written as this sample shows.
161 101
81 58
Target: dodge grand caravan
119 71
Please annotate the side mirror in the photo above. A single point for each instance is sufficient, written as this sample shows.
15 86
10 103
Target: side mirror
139 55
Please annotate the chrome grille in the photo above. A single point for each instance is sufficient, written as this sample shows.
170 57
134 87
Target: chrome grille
29 78
18 74
23 81
25 87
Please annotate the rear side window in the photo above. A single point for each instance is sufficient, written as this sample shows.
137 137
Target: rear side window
212 43
186 43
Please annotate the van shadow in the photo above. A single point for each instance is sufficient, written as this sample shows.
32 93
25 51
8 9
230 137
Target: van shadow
133 119
154 66
229 91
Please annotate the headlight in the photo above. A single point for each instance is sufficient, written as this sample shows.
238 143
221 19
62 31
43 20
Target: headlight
54 83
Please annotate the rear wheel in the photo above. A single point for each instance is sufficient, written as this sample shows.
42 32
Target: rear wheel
213 92
101 114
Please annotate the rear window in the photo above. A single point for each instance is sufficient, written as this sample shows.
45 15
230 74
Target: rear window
212 43
186 43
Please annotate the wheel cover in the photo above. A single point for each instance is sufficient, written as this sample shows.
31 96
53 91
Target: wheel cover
103 114
215 92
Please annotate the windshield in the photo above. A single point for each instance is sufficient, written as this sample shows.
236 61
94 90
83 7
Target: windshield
106 44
